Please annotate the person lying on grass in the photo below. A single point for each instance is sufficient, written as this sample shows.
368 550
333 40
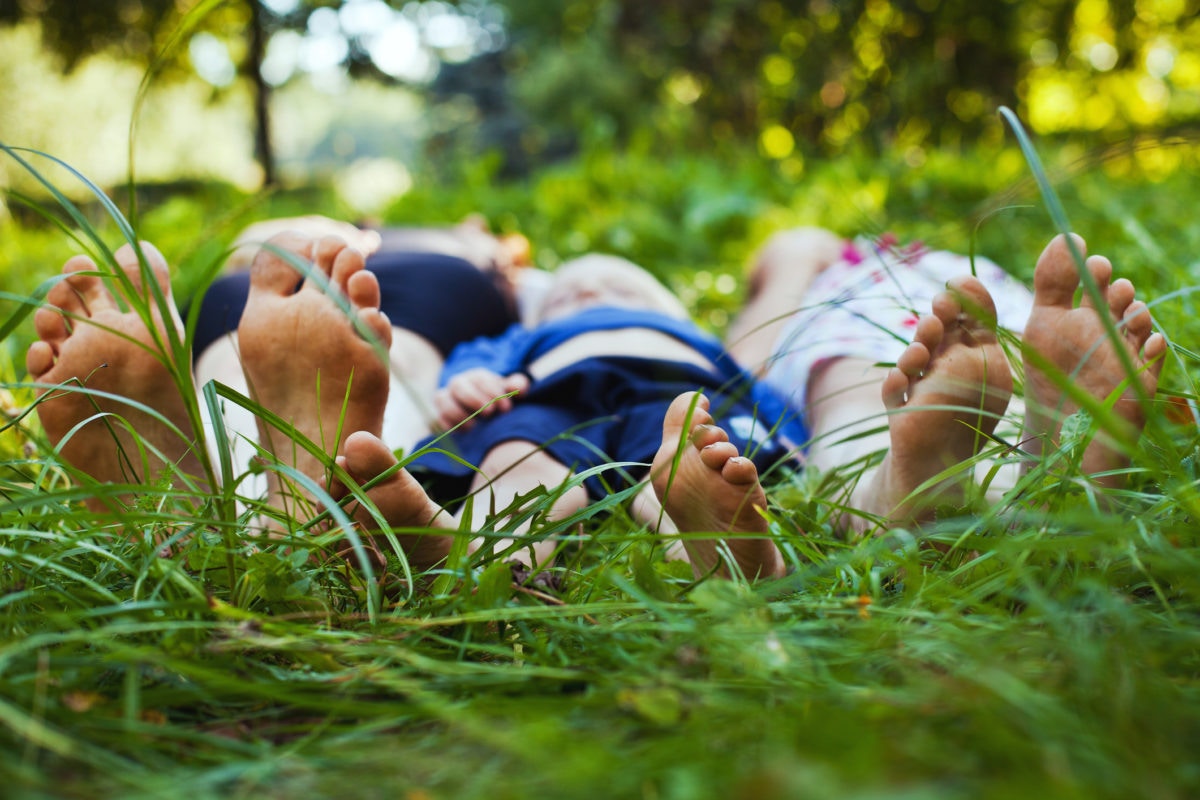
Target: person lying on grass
949 384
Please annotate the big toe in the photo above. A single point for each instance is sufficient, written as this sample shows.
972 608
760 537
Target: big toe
1056 275
975 301
367 456
274 269
686 411
130 263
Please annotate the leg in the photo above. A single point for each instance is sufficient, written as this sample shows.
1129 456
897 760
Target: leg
85 337
706 487
509 470
784 268
303 358
942 402
1068 343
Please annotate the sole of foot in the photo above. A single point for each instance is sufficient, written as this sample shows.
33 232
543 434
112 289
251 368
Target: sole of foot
1065 341
303 355
706 486
86 338
944 397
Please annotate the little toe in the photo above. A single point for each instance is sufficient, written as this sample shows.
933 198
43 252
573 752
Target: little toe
1100 268
378 323
894 389
1155 349
740 471
1056 275
717 454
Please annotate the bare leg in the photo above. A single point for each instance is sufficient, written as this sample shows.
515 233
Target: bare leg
303 358
84 336
1072 340
508 471
784 269
708 488
942 401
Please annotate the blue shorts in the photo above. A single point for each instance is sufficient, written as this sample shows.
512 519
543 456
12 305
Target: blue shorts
597 412
445 299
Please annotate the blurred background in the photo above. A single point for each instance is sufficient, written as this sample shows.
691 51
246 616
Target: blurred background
675 132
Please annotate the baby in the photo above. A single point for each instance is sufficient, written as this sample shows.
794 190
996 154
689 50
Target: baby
592 380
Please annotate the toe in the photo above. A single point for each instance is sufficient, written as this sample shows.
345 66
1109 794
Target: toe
378 323
740 471
366 456
51 325
127 259
1056 275
975 301
1138 323
362 287
273 269
706 435
1100 268
1120 295
39 359
687 410
76 294
347 263
715 455
931 329
1156 348
893 389
914 360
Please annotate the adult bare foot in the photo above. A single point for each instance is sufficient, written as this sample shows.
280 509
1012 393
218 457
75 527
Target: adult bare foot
945 395
708 488
86 339
1070 341
400 500
303 357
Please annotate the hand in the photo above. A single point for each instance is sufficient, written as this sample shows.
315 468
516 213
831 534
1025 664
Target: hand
476 390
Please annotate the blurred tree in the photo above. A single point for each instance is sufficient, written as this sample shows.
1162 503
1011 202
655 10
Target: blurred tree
149 31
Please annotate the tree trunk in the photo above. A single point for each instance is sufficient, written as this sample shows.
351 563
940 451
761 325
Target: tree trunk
263 150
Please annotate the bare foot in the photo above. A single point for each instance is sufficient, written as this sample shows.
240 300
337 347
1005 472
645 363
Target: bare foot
944 397
303 358
84 337
399 499
1072 341
709 488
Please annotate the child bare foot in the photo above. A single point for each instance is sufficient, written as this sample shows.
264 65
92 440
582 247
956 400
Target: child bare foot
944 397
303 357
1072 341
709 488
399 499
84 337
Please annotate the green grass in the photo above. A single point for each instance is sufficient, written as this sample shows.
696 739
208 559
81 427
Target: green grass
1050 648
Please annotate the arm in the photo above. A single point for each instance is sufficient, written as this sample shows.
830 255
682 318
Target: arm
477 390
